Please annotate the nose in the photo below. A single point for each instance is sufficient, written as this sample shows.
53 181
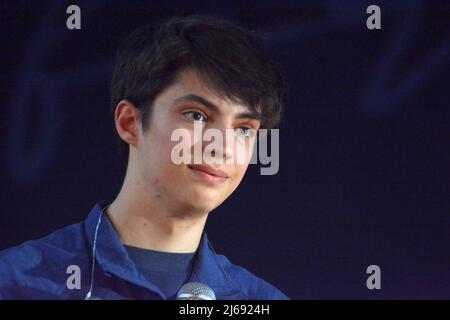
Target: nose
219 142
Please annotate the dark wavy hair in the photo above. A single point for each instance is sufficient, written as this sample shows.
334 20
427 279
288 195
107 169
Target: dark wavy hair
227 57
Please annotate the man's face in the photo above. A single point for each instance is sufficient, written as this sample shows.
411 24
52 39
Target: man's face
185 104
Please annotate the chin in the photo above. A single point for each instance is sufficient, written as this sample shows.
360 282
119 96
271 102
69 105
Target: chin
204 202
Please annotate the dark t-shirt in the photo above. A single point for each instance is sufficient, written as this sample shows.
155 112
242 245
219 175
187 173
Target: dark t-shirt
168 271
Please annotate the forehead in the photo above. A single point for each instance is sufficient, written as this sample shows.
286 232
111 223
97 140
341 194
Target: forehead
189 84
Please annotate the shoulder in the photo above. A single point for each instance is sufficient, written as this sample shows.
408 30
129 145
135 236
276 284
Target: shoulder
39 266
253 287
65 242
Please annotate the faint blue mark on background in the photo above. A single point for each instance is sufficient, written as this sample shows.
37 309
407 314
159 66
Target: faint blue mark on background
37 87
382 96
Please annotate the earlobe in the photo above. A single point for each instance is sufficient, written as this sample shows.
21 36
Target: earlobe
126 119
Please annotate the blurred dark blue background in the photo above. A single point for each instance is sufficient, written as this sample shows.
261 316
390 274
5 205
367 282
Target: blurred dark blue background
364 157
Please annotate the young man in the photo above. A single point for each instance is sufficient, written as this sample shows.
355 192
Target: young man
191 72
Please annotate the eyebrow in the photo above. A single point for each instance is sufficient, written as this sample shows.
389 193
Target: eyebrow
214 108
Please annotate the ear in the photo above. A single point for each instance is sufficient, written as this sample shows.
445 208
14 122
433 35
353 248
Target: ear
127 119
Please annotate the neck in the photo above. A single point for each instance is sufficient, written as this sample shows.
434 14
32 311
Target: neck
144 219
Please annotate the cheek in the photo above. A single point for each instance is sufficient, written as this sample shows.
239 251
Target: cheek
243 152
156 152
239 172
161 138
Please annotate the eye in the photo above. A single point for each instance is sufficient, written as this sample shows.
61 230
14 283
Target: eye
245 132
195 115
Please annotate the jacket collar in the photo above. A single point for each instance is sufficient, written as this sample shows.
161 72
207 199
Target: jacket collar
112 257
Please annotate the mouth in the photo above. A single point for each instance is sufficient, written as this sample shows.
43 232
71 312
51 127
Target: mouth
209 174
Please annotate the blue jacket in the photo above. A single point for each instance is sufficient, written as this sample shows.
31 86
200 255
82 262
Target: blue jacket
44 268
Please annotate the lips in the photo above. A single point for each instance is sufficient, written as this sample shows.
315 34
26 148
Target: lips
209 174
